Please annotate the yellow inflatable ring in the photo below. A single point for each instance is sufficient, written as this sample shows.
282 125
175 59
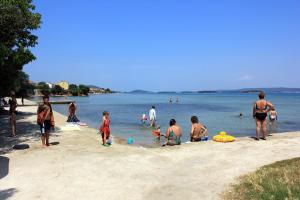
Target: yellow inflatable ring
223 137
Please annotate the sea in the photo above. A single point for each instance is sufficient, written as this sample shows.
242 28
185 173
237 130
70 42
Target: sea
218 111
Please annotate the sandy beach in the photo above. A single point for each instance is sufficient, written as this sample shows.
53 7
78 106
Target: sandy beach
77 166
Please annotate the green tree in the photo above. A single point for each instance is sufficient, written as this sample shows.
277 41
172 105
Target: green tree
44 88
84 90
73 89
107 90
17 21
24 87
57 90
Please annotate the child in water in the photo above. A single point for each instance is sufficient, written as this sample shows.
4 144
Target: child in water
144 119
156 132
105 130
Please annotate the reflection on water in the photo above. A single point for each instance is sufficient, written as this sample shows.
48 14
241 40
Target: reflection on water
219 112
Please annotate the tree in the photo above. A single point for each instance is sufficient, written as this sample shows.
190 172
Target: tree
84 90
17 21
73 89
107 90
44 88
24 87
57 90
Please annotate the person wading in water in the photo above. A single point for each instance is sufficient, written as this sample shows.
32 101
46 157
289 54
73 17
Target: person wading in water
261 108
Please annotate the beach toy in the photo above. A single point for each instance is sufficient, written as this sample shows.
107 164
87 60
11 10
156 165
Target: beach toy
204 139
129 141
223 137
109 142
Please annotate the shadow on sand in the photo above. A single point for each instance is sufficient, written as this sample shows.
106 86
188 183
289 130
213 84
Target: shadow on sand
25 131
4 166
6 194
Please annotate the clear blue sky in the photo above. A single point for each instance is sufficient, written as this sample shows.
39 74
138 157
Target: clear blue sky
169 44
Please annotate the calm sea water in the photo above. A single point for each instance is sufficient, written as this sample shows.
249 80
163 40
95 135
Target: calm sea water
219 112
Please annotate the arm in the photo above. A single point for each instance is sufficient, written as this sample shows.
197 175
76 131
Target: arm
192 131
167 133
270 106
254 110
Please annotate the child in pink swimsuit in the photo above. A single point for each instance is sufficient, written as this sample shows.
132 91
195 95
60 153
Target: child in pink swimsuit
105 130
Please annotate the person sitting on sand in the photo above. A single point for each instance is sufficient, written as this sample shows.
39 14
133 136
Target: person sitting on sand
152 116
261 108
45 119
72 113
198 130
173 134
13 114
105 129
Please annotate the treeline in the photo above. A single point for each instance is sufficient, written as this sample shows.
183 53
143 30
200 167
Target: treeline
74 90
18 20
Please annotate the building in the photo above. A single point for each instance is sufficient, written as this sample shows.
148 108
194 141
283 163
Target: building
51 85
63 84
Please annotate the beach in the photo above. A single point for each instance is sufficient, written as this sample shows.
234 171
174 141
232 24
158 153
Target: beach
77 166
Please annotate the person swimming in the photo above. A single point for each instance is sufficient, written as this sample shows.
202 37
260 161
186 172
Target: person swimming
261 108
241 115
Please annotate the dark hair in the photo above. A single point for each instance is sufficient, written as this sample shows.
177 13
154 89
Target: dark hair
172 122
46 97
261 95
194 120
105 113
153 107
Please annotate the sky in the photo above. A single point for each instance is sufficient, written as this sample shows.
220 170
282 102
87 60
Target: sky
168 45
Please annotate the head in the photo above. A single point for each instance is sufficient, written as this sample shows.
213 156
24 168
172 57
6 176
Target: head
153 107
273 109
46 99
13 94
105 114
261 95
172 122
194 120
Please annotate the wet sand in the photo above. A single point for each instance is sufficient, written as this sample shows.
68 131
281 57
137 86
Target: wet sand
77 166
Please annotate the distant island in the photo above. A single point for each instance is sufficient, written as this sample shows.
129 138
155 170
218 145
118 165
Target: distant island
244 90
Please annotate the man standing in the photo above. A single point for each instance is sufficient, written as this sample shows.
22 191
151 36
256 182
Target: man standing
13 114
152 116
45 119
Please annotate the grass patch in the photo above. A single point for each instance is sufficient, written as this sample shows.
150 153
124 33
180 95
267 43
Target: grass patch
278 181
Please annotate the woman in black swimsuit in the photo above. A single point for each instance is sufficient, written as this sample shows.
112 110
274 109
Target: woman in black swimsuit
261 109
